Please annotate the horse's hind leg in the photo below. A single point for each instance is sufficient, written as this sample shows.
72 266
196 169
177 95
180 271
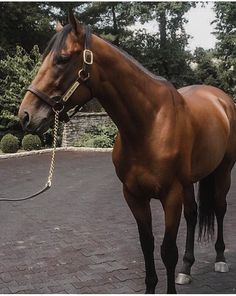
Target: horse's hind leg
222 185
190 214
142 213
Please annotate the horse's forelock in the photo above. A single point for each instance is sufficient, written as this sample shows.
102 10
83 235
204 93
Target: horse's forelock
57 43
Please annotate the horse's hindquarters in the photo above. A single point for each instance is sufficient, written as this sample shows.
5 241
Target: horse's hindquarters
212 115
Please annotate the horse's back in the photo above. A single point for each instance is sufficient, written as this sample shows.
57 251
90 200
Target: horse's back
206 93
210 104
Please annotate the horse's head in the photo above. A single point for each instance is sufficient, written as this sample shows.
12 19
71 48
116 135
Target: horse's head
62 80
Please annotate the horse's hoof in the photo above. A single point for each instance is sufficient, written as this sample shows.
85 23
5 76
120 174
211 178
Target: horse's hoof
221 267
183 279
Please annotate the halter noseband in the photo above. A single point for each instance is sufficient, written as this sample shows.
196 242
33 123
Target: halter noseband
58 102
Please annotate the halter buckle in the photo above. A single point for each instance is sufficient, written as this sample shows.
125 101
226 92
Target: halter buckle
88 57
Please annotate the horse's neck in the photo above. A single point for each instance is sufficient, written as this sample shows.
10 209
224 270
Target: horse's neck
130 96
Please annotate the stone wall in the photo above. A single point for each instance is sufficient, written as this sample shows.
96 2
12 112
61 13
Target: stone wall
80 123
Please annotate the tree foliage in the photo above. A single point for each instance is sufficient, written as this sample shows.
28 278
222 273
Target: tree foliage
226 46
207 67
24 24
156 50
111 19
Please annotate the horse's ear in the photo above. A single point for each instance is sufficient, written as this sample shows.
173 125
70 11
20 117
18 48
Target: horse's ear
76 26
59 27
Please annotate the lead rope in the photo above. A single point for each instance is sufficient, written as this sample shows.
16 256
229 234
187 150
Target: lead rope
51 169
52 165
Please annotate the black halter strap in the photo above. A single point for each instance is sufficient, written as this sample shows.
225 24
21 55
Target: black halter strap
58 102
52 101
88 57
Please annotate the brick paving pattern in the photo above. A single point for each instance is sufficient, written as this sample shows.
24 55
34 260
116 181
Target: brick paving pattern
80 236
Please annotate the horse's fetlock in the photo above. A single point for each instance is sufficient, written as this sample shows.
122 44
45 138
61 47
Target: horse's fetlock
151 282
189 258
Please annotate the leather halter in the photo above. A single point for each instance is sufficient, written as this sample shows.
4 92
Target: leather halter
58 102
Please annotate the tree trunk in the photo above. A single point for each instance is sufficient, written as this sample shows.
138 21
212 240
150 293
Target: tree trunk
162 28
163 40
115 26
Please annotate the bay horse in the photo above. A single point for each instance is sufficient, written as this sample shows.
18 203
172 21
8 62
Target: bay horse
168 139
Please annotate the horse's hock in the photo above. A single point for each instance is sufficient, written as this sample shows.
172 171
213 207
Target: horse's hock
81 123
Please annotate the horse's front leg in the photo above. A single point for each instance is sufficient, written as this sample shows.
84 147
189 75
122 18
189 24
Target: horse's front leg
172 205
140 208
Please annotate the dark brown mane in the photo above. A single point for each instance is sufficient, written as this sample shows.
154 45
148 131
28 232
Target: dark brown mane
134 61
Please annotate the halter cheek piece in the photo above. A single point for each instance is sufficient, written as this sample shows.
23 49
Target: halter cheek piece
58 103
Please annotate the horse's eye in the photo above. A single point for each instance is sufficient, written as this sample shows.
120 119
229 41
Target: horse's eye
62 59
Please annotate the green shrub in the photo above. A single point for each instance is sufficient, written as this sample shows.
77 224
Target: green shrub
86 140
98 137
9 144
102 141
31 142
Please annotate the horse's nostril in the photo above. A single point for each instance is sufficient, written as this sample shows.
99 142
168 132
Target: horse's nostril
26 119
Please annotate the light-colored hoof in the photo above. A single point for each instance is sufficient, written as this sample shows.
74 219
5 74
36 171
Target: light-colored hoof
183 279
221 267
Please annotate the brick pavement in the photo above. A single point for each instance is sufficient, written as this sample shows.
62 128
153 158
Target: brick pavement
80 237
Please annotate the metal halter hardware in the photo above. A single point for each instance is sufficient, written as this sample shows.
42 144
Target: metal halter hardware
58 102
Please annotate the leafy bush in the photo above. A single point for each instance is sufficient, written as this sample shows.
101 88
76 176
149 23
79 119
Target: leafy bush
98 137
16 73
9 144
102 141
31 142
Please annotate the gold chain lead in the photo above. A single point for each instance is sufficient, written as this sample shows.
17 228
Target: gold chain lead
52 165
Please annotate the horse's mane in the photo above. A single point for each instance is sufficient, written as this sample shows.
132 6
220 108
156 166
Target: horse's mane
134 61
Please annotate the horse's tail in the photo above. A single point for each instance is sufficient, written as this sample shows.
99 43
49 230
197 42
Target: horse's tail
206 214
